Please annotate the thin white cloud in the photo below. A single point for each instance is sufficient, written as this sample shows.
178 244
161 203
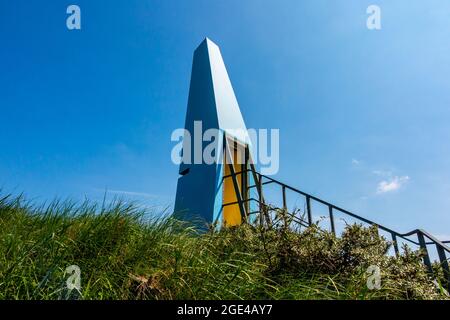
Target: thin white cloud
129 193
132 193
382 173
355 162
392 184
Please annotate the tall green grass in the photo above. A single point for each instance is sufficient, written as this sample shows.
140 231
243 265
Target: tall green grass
124 254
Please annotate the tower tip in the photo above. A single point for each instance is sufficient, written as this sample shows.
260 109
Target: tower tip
207 41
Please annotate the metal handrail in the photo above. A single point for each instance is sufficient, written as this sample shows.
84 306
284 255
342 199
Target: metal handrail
421 234
404 235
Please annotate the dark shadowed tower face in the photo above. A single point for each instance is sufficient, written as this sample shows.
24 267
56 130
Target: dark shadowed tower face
202 189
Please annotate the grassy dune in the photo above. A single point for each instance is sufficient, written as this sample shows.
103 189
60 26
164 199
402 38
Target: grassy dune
122 254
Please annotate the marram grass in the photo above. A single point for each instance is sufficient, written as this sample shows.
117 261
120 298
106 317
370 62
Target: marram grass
123 254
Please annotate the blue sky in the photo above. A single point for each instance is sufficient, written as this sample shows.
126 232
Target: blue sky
359 111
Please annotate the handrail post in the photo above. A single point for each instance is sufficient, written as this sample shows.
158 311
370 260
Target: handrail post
244 180
259 187
308 209
333 229
265 207
395 244
284 197
426 257
258 182
444 264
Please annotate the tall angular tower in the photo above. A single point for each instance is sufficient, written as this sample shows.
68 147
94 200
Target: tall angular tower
209 191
